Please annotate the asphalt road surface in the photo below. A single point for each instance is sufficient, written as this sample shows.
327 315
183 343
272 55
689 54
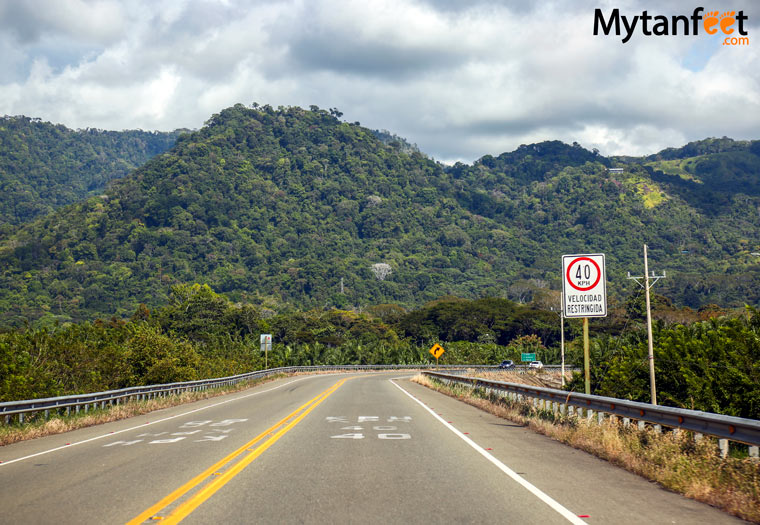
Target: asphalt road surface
338 448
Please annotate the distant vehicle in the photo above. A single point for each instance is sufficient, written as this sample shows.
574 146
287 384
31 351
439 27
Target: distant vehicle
506 365
536 364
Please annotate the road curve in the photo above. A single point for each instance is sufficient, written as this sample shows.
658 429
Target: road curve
340 448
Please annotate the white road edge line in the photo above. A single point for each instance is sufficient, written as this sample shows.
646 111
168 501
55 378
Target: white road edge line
572 518
143 425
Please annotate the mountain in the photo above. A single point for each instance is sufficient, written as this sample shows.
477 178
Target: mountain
292 206
710 173
45 166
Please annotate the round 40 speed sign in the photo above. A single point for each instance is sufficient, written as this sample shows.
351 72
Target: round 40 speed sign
584 285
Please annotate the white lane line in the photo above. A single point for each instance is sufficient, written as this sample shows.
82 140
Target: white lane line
143 425
572 518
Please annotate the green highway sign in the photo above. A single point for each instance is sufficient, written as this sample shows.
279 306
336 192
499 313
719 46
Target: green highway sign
528 357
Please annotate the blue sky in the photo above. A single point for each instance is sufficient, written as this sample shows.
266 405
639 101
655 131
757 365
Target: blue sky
460 79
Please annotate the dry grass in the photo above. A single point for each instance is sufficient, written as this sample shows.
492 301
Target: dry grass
38 427
673 459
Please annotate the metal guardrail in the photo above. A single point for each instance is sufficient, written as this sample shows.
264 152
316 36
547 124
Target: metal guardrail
83 402
723 427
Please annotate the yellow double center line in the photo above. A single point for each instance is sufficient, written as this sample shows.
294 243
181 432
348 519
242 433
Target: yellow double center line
217 480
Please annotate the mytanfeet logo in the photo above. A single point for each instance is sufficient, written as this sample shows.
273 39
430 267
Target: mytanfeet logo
729 23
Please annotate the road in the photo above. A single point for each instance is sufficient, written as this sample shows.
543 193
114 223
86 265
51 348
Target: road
336 448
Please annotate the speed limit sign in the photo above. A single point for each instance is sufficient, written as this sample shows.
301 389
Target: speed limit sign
584 285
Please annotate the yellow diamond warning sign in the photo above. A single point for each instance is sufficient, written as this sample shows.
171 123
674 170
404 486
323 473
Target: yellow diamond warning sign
437 350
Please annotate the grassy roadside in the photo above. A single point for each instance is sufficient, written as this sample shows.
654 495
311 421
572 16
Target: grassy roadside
38 427
673 459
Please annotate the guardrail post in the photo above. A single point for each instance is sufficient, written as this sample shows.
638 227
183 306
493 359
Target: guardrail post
600 417
7 419
754 452
47 415
723 445
641 424
626 422
21 418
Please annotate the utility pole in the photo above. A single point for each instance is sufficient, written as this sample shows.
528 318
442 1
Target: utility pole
341 285
646 287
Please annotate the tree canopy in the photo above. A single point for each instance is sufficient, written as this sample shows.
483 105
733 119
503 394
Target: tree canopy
293 208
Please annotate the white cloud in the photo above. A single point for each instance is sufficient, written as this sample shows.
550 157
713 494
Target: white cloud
102 21
460 80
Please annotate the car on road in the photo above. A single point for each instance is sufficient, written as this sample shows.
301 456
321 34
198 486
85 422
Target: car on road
506 365
536 364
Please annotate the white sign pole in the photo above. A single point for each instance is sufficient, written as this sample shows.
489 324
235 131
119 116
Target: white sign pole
266 345
562 337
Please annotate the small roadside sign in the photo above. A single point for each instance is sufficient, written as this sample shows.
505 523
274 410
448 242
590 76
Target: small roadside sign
266 346
437 351
527 357
584 285
266 342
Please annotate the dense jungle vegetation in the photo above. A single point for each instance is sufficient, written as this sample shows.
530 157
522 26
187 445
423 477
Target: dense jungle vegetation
708 361
293 208
45 166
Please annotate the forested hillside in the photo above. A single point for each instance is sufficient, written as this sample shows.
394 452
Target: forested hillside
292 208
44 166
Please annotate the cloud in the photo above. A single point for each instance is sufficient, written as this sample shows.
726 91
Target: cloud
460 80
381 39
31 22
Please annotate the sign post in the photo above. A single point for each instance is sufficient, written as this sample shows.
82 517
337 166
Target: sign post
266 346
584 295
437 351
